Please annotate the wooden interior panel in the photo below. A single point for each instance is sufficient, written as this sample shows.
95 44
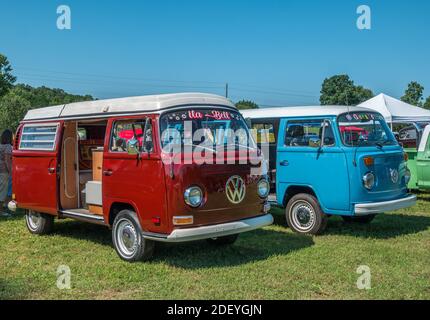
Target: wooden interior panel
69 195
95 209
97 165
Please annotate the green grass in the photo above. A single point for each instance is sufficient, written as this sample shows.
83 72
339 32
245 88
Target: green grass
272 263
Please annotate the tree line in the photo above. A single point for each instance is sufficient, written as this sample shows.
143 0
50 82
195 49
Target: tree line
17 99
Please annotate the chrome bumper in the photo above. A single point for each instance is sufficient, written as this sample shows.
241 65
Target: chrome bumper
379 207
215 231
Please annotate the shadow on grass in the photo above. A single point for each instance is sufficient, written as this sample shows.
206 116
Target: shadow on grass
385 226
11 289
12 217
82 231
251 246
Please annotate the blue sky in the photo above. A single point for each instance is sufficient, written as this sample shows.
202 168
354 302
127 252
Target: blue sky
273 52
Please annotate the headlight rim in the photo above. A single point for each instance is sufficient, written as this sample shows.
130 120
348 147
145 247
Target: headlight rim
364 179
263 180
187 193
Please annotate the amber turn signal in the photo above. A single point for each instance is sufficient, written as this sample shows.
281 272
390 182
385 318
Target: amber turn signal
183 221
368 161
405 156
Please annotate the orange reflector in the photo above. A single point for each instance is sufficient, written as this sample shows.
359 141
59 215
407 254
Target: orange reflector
13 196
405 156
182 221
368 161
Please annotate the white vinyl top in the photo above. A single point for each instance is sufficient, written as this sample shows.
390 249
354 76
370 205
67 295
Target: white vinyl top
396 111
290 112
131 105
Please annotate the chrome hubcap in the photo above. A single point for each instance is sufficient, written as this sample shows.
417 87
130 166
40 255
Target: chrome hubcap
127 237
33 219
303 215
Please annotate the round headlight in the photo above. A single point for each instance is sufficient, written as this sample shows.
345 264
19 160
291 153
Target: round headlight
369 180
407 176
263 188
193 196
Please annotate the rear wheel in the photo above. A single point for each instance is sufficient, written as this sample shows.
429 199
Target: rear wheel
223 241
304 215
128 240
360 219
39 223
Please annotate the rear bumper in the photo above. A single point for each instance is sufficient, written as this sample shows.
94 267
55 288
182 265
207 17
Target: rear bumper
214 231
379 207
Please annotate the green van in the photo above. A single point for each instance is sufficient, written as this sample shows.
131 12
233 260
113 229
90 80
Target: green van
419 159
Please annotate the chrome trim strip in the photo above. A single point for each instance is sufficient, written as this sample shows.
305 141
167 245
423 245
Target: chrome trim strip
91 218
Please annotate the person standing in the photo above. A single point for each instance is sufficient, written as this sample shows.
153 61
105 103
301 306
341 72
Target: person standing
5 167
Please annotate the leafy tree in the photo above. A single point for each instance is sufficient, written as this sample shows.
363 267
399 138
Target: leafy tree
427 103
341 90
43 96
12 109
246 104
6 78
414 94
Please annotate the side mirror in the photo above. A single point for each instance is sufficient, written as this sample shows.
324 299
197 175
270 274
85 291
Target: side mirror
315 142
133 146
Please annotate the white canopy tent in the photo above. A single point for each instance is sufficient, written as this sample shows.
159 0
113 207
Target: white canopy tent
396 111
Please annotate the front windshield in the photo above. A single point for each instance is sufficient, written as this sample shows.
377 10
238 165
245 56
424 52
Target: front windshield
365 129
205 128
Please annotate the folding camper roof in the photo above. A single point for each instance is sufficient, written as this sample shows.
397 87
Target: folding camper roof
126 106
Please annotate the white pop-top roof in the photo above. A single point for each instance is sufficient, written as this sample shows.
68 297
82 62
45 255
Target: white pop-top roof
290 112
131 105
396 111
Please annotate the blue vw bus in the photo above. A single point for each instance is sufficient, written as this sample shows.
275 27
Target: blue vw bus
331 160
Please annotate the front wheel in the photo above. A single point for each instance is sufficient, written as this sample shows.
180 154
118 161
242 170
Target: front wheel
223 241
39 223
128 240
304 215
359 219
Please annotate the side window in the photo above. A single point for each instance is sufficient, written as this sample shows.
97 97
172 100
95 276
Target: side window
263 132
128 131
40 137
309 133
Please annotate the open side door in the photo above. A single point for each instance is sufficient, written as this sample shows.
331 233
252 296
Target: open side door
36 166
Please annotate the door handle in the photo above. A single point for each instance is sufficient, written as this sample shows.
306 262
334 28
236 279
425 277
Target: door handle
51 170
285 163
107 173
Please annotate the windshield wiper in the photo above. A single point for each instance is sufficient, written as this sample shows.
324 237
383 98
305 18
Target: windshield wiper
200 146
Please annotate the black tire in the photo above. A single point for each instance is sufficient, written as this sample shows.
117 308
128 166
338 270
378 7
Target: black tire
223 241
127 238
304 215
39 223
362 219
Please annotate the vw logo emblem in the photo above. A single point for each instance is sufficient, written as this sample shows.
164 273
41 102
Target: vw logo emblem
235 189
394 174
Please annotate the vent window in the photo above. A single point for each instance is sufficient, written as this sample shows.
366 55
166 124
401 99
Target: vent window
39 137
